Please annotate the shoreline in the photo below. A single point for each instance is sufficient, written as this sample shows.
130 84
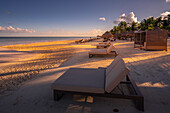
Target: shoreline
31 40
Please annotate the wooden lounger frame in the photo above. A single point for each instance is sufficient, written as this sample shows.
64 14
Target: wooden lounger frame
134 95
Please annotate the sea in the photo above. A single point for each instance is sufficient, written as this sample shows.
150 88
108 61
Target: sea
26 40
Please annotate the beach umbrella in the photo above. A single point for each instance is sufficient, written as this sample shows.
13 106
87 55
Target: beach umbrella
124 34
107 34
117 35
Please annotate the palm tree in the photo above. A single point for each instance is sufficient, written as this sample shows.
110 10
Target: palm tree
123 26
138 26
134 26
166 23
114 30
128 28
158 22
145 24
151 23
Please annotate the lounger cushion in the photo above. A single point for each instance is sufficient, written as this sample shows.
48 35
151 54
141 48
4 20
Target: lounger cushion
111 66
102 51
98 51
81 80
115 76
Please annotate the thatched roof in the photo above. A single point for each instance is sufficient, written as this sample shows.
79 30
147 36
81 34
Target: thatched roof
107 34
124 34
117 35
130 33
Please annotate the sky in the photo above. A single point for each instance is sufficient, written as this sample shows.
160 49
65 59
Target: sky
73 17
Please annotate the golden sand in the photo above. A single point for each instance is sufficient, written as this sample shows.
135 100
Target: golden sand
149 69
37 57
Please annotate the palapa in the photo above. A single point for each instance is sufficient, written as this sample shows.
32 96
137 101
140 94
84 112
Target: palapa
107 35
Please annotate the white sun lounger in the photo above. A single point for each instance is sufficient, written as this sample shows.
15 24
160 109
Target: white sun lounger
104 42
103 45
98 82
102 51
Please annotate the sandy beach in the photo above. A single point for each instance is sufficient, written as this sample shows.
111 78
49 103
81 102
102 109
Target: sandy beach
32 68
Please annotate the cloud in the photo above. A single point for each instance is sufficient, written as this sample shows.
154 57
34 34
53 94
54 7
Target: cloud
63 32
129 18
60 30
167 1
165 13
93 32
56 32
102 18
116 22
10 29
66 32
